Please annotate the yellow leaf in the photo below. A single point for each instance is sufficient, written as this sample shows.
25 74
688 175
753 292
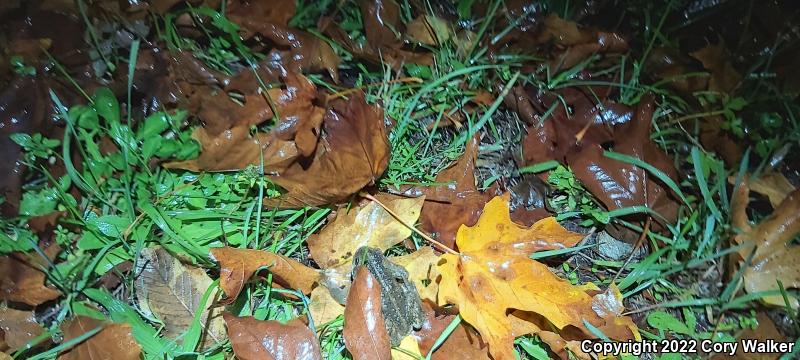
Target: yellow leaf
367 225
494 276
323 307
422 271
407 347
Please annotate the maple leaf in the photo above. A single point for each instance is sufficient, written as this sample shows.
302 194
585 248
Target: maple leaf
493 275
114 341
253 339
368 225
238 265
774 259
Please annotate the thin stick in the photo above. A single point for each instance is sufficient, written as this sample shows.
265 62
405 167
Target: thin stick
443 247
635 247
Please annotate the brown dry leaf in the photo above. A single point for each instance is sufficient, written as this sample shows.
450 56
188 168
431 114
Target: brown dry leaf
19 327
253 339
352 154
494 275
277 12
172 292
774 259
774 186
463 343
365 334
323 307
114 341
366 225
580 43
422 271
765 331
22 280
238 265
429 30
724 77
448 207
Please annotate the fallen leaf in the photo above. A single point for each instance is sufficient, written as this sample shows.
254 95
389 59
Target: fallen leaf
724 77
494 275
172 292
773 185
429 30
114 341
448 207
366 225
19 327
462 343
253 339
238 265
422 271
765 331
407 350
774 258
273 11
365 334
352 154
23 281
323 307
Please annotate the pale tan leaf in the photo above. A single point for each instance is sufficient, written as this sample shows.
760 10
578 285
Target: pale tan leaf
323 307
172 292
422 271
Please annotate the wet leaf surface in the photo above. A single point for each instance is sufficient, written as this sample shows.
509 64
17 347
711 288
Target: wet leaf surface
238 265
493 274
172 292
463 343
24 281
365 334
114 341
18 327
256 339
366 225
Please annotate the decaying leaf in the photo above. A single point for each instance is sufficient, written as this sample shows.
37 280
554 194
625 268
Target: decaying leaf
463 343
238 265
352 154
448 207
366 225
724 76
23 281
365 334
422 271
253 339
429 30
774 186
774 258
114 341
323 307
493 276
171 292
18 327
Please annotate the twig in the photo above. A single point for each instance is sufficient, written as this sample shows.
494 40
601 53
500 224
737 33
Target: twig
443 247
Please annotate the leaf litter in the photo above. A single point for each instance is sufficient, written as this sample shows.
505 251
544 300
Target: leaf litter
287 118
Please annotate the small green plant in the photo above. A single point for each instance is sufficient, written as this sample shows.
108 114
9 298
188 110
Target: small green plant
573 199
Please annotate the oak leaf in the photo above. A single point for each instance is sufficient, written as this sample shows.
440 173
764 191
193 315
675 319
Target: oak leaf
493 276
422 271
19 327
253 339
367 225
23 281
172 292
238 265
365 334
114 341
774 258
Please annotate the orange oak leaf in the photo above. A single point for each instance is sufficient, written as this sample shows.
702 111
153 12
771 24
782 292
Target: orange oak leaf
238 265
113 341
774 258
18 326
23 281
365 334
254 339
503 293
